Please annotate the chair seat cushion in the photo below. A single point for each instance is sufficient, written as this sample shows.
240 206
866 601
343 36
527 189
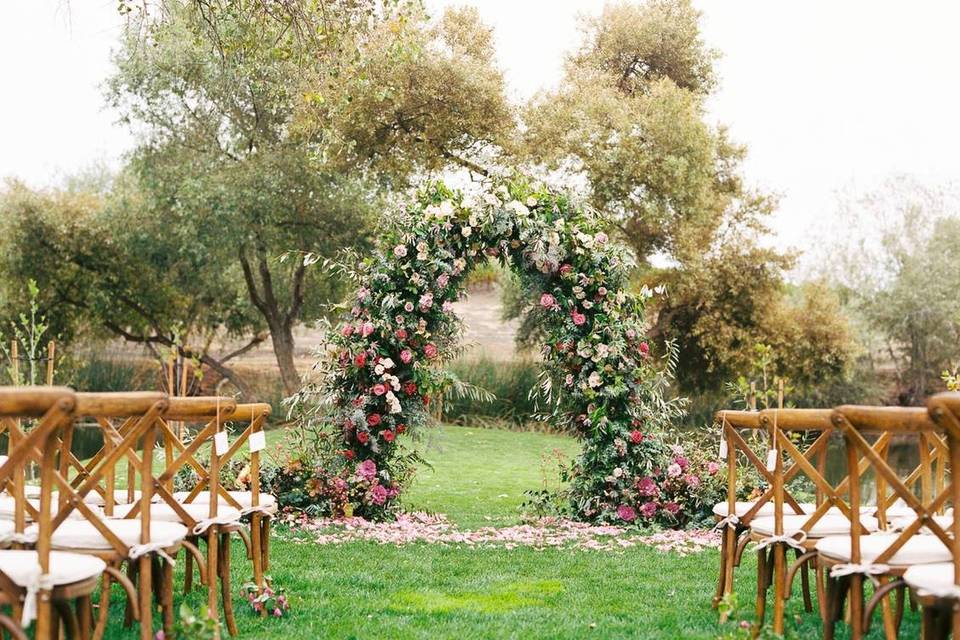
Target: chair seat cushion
163 512
243 498
81 534
23 567
828 525
720 509
921 549
930 579
8 508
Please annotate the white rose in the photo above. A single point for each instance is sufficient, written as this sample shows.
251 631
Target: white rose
466 231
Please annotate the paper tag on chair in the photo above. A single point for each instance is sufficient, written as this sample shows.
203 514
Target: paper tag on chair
257 441
220 444
771 460
723 448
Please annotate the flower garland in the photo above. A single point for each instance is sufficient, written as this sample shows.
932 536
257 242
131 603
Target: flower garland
382 364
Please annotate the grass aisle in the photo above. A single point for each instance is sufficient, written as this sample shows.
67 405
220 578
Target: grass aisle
366 591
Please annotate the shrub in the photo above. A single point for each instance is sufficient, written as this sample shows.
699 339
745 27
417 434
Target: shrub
509 381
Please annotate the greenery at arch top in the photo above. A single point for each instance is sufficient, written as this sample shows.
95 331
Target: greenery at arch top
384 361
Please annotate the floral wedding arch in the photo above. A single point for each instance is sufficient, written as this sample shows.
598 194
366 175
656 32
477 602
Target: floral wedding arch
383 362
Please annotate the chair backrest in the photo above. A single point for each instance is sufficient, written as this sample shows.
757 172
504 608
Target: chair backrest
733 424
912 423
129 422
52 409
944 409
212 412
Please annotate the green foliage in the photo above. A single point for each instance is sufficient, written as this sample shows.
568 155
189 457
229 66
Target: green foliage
29 330
193 626
510 383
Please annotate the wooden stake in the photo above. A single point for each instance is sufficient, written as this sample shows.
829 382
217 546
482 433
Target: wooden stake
51 354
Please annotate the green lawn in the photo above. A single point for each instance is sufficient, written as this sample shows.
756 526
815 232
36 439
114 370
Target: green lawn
363 590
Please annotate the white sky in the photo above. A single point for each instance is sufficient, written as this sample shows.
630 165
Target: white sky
827 95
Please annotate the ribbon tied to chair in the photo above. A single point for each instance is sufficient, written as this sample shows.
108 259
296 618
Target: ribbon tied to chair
732 521
203 525
951 592
851 568
38 582
15 537
791 540
139 550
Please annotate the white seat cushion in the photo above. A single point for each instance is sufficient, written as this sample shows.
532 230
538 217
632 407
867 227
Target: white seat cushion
828 525
8 508
243 498
922 549
720 509
163 512
23 567
930 579
77 534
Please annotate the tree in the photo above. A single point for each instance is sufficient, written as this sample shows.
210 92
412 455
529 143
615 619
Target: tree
264 128
104 267
628 119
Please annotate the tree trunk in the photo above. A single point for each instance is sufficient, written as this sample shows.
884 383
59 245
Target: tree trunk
283 345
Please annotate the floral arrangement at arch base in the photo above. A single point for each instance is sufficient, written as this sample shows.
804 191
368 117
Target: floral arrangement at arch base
383 362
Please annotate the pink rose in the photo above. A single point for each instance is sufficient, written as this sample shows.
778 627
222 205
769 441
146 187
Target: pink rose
683 462
692 481
644 348
378 495
626 513
388 436
712 468
379 389
578 318
443 280
406 356
672 508
366 329
565 269
647 487
430 350
636 436
373 419
547 301
347 330
401 334
674 470
648 509
367 469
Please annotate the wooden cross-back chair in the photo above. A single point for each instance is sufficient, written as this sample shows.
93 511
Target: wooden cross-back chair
212 522
883 556
260 507
937 586
129 422
46 581
734 517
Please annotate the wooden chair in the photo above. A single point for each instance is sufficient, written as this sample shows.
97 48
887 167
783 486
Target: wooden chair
212 522
259 507
884 556
46 581
937 586
735 517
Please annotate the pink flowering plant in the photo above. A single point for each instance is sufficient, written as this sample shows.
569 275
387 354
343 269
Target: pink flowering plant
271 601
383 363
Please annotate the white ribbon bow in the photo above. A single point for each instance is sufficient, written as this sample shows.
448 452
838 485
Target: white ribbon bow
38 582
790 540
257 509
140 550
203 525
850 568
730 521
952 592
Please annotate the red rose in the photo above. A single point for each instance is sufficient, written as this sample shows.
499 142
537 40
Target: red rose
644 348
379 389
401 428
426 399
388 435
373 419
348 454
410 388
401 334
361 359
430 350
363 437
636 437
565 269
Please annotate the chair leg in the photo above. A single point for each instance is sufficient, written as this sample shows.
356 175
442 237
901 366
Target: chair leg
85 616
265 536
104 612
761 586
188 572
855 595
128 609
889 617
213 607
145 593
166 598
226 591
805 584
68 619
